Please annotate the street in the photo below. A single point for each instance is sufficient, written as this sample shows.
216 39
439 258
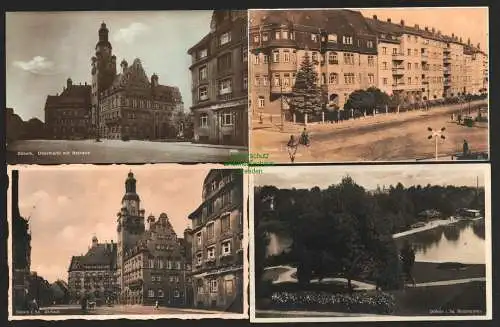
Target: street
68 309
116 151
394 136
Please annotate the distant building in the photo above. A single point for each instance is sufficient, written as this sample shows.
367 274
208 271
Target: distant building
220 80
128 104
67 115
217 236
21 251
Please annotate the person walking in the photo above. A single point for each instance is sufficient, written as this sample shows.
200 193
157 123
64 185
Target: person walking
304 138
292 148
156 305
465 148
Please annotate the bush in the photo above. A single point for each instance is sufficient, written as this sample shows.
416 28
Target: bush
378 303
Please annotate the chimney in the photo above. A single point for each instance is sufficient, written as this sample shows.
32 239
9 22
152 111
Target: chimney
402 22
460 39
85 83
427 29
468 41
417 27
388 20
453 35
154 80
433 30
124 65
69 83
375 17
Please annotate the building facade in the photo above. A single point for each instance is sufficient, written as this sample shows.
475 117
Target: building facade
92 275
220 81
146 265
67 115
216 237
353 52
128 104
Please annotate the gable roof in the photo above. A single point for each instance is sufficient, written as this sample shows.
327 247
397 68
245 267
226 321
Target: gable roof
101 254
74 94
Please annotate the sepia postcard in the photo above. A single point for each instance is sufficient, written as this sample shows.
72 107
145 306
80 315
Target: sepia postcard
126 87
135 242
364 85
378 243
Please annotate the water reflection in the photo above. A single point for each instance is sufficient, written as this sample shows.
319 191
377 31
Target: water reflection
460 242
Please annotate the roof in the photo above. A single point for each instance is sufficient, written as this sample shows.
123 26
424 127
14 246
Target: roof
101 254
203 41
74 94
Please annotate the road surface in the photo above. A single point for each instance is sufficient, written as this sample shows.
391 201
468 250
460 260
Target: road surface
116 151
395 137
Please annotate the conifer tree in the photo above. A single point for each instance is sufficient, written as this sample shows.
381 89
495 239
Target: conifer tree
307 97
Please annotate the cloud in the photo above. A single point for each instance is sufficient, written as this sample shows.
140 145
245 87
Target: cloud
38 65
128 34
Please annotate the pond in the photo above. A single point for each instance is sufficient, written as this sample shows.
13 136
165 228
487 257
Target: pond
462 242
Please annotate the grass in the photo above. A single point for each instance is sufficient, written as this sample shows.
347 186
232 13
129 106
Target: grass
273 273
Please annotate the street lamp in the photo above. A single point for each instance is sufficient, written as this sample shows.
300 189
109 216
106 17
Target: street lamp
281 99
436 135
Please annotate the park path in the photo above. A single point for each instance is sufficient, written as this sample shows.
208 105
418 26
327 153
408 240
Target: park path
430 225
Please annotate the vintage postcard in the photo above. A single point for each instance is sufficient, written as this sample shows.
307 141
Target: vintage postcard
378 243
351 85
136 242
126 87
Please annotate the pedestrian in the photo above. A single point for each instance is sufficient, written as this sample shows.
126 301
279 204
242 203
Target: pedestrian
304 138
459 118
465 148
156 305
292 148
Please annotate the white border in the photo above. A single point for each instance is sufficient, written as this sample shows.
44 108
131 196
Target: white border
484 167
250 129
187 315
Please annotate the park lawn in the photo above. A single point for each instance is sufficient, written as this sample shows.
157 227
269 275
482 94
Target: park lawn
273 274
424 272
437 300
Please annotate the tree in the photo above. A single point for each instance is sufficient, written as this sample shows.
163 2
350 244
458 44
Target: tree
367 100
307 96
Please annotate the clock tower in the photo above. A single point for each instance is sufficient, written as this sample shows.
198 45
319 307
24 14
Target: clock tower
130 223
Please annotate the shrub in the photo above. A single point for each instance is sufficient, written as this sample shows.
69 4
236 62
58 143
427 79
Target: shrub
377 303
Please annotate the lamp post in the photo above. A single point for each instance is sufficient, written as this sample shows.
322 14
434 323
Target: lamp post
436 135
281 104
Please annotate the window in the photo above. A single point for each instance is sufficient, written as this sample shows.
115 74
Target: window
225 223
257 80
210 230
225 38
245 82
276 80
261 102
227 119
349 78
213 286
244 54
369 44
409 52
409 80
371 61
199 259
384 50
286 80
203 120
314 37
151 293
151 263
266 59
276 56
198 238
332 38
176 293
333 78
225 86
409 66
211 252
384 65
371 78
394 51
256 59
284 34
203 93
314 57
160 293
256 38
224 62
333 58
226 248
277 35
347 39
202 53
416 65
348 58
228 284
265 37
384 81
286 56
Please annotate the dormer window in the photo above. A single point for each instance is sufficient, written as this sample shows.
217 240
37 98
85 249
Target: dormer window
347 40
332 38
314 37
277 35
284 34
265 37
202 53
225 38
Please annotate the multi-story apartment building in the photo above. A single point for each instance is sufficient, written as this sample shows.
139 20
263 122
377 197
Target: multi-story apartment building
146 265
340 44
220 80
354 52
217 236
127 103
67 115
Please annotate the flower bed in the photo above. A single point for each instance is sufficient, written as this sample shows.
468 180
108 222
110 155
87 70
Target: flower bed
377 303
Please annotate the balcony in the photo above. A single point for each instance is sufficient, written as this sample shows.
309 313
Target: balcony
399 70
398 56
398 85
446 60
447 71
446 50
424 56
225 96
447 82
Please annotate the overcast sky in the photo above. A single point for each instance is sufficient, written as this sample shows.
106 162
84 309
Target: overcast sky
43 49
464 22
371 176
68 205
